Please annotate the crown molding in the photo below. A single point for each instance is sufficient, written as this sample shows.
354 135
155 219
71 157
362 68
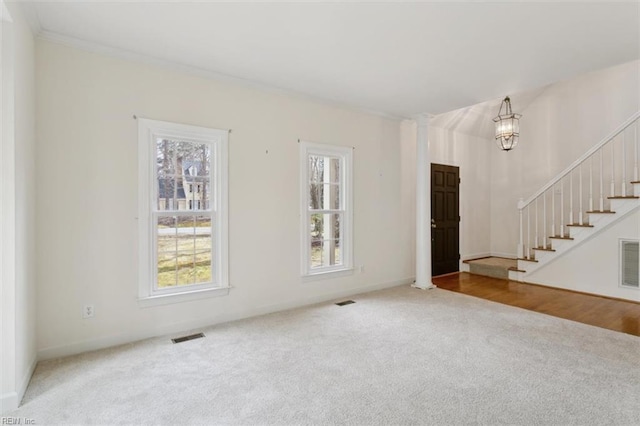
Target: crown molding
201 72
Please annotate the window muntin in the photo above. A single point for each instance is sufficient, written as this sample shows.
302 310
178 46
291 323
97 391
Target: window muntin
183 216
326 213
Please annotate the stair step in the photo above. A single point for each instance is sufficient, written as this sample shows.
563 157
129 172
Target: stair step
543 248
601 211
527 260
584 225
561 237
635 181
620 197
513 268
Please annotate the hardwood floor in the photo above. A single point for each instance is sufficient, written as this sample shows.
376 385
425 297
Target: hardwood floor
612 314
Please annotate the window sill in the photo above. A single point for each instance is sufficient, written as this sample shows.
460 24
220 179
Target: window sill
187 296
325 275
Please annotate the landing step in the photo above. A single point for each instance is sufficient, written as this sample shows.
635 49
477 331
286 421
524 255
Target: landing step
543 248
496 267
584 225
601 211
527 260
515 269
620 197
561 237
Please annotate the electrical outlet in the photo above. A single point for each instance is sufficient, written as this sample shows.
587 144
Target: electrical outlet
88 311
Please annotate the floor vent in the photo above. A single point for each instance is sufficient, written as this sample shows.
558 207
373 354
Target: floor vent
185 338
629 264
346 302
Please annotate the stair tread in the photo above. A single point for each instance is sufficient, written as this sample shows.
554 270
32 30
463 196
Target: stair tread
561 237
584 225
543 248
515 269
528 260
601 211
620 197
636 181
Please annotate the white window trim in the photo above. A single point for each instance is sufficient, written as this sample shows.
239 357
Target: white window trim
148 131
346 155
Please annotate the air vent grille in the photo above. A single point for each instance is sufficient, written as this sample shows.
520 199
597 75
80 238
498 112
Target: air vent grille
629 263
189 337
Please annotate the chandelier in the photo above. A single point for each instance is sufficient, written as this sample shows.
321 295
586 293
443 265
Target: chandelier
507 126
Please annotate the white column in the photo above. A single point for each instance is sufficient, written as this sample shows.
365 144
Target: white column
423 205
8 290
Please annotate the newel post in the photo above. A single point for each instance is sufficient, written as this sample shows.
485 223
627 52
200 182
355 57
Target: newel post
521 241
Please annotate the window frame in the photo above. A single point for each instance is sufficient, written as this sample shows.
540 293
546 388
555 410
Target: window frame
217 139
345 154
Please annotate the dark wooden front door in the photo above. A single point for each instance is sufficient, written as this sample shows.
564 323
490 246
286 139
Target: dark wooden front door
445 219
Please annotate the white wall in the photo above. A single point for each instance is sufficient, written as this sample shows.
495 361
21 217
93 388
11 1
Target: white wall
593 267
19 299
87 173
556 128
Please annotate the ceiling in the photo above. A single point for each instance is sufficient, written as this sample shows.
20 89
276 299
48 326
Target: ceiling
396 58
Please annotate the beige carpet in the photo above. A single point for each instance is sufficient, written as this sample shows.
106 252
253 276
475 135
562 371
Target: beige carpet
398 356
496 267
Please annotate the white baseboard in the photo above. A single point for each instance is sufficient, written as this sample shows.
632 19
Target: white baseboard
183 326
505 255
488 254
474 256
11 400
24 383
8 402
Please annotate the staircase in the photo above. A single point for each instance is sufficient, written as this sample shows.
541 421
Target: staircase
595 191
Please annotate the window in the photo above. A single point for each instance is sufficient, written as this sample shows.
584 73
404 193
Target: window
326 212
183 233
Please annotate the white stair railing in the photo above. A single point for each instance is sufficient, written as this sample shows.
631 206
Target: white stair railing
615 147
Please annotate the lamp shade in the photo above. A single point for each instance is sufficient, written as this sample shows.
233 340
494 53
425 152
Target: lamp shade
507 126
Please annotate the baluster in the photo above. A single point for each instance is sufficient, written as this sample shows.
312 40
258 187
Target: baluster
613 175
562 208
529 231
544 219
571 197
580 194
635 158
553 210
591 184
536 223
624 165
601 181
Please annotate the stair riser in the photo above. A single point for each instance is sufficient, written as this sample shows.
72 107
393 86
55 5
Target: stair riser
619 205
559 244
